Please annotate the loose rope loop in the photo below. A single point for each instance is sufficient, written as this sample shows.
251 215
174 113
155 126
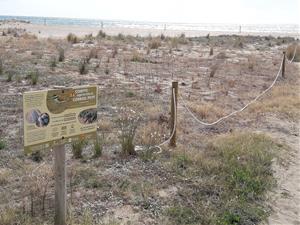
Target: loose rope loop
174 127
234 112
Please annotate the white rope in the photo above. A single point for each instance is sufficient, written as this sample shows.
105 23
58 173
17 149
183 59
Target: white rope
235 112
174 127
290 61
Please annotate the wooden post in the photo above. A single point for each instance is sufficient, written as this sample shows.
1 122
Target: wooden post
60 185
173 116
283 66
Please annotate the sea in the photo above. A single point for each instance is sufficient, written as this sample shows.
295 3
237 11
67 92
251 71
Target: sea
217 27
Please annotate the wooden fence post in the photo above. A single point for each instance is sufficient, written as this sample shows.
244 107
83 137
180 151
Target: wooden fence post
173 110
283 66
60 185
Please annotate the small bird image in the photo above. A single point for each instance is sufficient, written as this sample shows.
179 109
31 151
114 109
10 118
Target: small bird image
57 99
36 117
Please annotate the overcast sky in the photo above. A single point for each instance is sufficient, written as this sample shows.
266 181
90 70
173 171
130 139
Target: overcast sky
194 11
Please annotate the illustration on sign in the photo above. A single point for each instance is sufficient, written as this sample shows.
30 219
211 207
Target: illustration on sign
54 117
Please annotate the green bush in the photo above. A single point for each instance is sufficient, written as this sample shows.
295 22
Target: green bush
77 148
2 144
33 76
72 38
83 67
183 215
154 43
9 76
128 122
61 54
1 67
101 34
98 146
53 63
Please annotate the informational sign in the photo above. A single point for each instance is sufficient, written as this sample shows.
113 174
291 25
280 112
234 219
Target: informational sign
58 116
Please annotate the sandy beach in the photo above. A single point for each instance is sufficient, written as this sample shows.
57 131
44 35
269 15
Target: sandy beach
58 31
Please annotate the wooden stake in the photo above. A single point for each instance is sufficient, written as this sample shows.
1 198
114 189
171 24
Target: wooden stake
60 185
173 108
283 66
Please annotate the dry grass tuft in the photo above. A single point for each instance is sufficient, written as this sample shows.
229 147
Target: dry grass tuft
291 50
206 110
284 100
211 51
77 148
72 38
1 66
155 43
83 67
101 34
251 62
61 54
93 54
213 70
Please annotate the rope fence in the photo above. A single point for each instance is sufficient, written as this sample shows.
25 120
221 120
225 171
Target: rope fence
184 103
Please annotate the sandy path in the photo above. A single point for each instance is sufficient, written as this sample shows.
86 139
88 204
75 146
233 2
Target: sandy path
285 201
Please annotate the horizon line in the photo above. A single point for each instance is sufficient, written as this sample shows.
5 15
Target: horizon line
161 22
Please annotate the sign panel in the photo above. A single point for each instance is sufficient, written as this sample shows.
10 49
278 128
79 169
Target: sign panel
58 116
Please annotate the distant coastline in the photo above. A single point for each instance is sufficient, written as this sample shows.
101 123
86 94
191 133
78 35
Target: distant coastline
288 29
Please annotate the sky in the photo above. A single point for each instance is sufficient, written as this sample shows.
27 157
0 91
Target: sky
192 11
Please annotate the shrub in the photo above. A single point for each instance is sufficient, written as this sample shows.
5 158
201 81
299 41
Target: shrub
290 51
93 54
8 216
4 177
106 71
61 55
251 63
9 76
114 52
154 43
136 57
1 67
72 38
77 148
174 42
98 146
36 156
101 34
206 110
83 67
213 70
128 122
238 43
182 39
211 51
2 144
130 94
53 63
183 215
33 76
121 37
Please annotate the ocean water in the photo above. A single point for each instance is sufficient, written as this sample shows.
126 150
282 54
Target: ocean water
261 28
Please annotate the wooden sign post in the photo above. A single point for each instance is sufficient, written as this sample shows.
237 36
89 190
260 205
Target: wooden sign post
53 118
174 113
60 185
